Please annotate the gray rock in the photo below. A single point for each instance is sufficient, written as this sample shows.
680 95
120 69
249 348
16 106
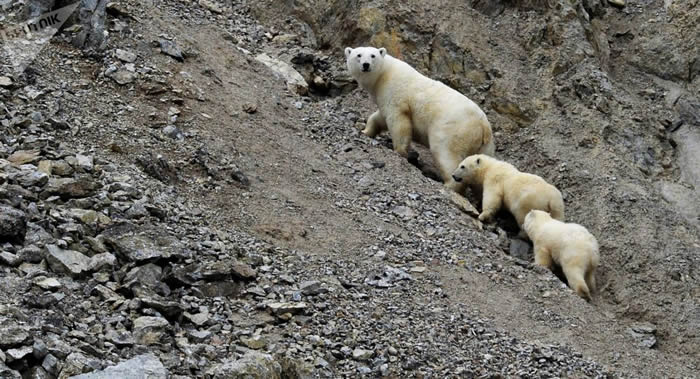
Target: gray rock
519 249
149 330
388 278
37 372
10 259
7 373
50 364
120 338
137 211
123 77
125 56
253 365
100 261
12 336
146 366
295 82
18 353
39 349
68 262
144 280
47 283
141 248
169 48
311 288
170 309
644 333
31 253
404 211
13 224
5 81
85 162
28 178
69 188
362 354
173 132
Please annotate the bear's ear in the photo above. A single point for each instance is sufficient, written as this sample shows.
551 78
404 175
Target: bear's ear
348 51
382 51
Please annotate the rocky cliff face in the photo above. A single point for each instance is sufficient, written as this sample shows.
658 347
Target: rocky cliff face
182 204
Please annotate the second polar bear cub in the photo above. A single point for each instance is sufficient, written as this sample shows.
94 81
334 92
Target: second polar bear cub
503 185
569 245
413 107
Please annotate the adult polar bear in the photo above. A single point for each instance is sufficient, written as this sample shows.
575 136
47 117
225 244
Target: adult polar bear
414 107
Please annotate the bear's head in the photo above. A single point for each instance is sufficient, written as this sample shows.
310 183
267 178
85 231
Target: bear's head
534 216
469 168
364 61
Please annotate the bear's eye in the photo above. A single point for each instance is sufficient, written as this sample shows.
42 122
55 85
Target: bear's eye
462 167
372 55
478 160
359 55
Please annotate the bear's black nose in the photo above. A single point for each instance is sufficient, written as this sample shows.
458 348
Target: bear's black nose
365 66
456 178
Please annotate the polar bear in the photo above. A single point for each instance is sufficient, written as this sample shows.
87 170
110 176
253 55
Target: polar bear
413 107
502 184
569 245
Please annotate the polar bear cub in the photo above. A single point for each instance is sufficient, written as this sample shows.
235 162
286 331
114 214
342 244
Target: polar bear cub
413 107
569 245
503 185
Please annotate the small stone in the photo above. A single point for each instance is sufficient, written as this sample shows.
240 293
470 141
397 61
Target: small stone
215 8
255 342
198 319
617 3
404 211
39 349
21 157
120 338
125 56
243 271
79 187
282 308
362 354
298 105
173 132
418 269
199 336
123 77
5 81
47 283
311 288
547 294
250 108
149 330
171 49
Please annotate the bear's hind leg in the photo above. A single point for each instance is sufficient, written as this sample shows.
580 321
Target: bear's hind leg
375 125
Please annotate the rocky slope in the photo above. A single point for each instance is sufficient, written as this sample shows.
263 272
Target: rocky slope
171 204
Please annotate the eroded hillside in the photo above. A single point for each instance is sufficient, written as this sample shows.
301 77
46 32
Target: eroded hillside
170 195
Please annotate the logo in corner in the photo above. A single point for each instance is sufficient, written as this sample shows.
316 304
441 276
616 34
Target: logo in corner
23 42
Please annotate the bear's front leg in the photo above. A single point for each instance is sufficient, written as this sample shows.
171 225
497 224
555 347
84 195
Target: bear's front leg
542 257
491 203
401 131
375 125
